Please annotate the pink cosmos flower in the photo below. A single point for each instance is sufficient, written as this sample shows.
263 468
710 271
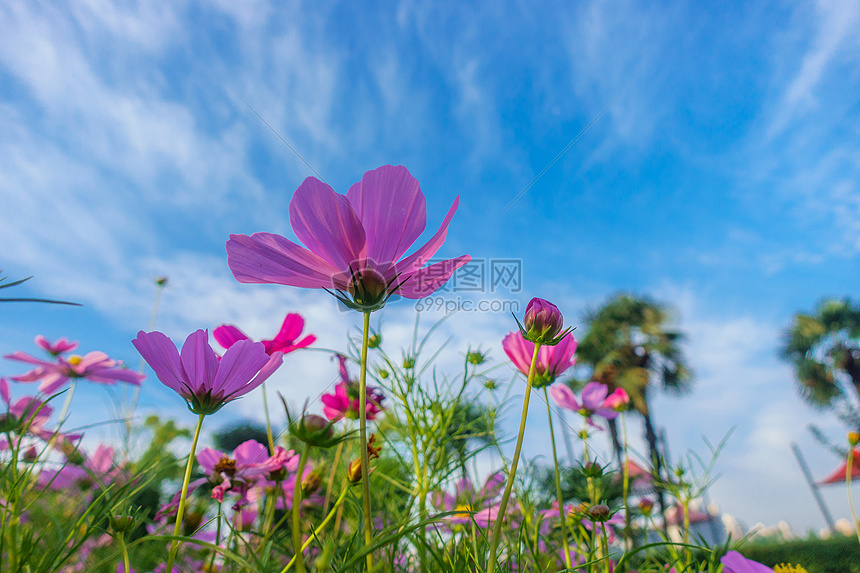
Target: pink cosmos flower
56 348
618 400
94 366
354 242
552 360
28 416
198 376
98 469
250 461
593 400
466 500
734 562
344 403
285 341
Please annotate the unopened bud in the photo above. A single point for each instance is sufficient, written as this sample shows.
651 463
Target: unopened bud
542 322
408 362
311 482
599 512
353 471
490 384
31 454
592 470
383 373
854 438
475 357
646 506
374 340
121 523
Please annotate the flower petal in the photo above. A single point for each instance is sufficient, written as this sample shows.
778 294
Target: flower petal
519 350
564 396
227 335
208 458
424 253
163 357
593 395
327 225
199 361
425 281
268 258
238 365
392 210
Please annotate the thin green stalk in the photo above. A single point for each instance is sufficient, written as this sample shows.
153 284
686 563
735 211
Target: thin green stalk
271 502
497 526
626 483
334 466
217 540
849 470
365 462
64 412
126 567
605 548
268 422
174 545
561 513
297 502
319 529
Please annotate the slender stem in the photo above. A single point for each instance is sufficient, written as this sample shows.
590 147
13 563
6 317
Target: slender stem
126 567
271 502
174 545
268 422
217 540
319 529
497 526
849 470
297 502
605 548
561 513
337 454
625 468
64 413
365 462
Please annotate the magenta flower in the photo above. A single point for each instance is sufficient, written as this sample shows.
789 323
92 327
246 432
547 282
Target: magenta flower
734 562
552 360
198 376
354 242
593 400
55 348
345 403
285 341
94 366
249 462
28 416
98 469
618 400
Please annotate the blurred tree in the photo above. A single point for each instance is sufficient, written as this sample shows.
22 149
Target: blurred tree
630 345
229 437
824 348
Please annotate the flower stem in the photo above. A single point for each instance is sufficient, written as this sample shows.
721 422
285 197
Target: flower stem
497 526
268 423
625 468
297 502
365 462
337 454
319 529
561 513
64 413
849 470
125 564
174 545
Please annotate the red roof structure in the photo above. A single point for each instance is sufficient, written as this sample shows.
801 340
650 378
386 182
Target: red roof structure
675 515
839 474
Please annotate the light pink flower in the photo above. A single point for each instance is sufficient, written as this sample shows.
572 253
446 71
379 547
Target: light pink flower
56 348
345 403
618 400
285 341
198 376
467 500
28 416
552 360
354 242
249 462
94 366
593 400
98 469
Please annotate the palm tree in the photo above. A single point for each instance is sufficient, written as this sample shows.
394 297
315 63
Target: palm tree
630 345
824 348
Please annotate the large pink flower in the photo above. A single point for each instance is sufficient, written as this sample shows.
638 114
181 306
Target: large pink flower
344 403
285 341
734 562
198 376
354 242
552 360
52 375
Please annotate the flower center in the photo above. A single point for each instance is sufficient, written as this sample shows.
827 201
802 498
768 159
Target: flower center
74 359
225 465
463 510
368 288
783 568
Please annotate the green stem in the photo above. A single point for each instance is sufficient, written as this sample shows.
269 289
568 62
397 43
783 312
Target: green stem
626 488
334 466
497 526
561 513
217 540
64 413
849 470
268 423
126 567
297 502
319 529
365 462
174 545
605 548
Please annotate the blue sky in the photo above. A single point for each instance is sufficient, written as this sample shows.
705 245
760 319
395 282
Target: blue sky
723 179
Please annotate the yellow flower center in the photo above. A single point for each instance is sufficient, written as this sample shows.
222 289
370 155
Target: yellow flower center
74 359
783 568
463 510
